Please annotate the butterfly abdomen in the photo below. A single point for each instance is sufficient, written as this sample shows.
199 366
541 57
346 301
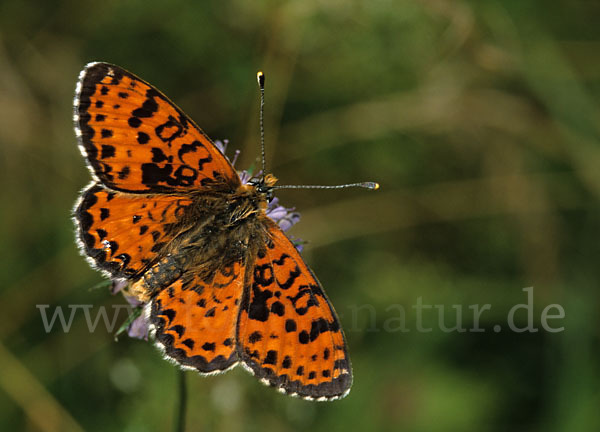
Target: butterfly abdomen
163 274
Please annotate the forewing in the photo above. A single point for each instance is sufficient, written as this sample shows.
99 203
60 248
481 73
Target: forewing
136 140
123 234
289 335
195 320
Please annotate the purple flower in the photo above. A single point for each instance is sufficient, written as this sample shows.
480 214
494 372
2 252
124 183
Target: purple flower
285 218
118 285
139 327
282 216
245 176
222 145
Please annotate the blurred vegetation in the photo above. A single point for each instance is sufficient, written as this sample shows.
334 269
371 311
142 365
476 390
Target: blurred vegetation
479 119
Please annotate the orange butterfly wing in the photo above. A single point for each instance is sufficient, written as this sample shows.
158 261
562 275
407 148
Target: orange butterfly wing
195 321
136 140
122 233
288 334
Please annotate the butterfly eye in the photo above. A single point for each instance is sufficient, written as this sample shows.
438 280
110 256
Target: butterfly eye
269 195
267 191
262 187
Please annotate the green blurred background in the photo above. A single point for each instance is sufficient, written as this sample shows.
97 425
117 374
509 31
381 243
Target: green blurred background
479 119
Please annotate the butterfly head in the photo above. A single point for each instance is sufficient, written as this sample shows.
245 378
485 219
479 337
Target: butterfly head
264 185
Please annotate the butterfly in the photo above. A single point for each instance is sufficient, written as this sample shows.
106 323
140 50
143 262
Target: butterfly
168 213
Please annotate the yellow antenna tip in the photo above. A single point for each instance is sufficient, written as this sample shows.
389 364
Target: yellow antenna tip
260 77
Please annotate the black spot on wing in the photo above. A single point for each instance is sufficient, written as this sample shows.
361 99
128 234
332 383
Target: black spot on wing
179 329
188 343
124 173
134 122
258 309
271 358
104 213
208 346
108 151
142 138
149 107
255 337
290 325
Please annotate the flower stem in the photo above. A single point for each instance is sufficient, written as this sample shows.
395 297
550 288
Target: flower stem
181 403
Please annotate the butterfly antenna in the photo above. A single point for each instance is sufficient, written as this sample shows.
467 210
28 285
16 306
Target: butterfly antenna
260 77
366 185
